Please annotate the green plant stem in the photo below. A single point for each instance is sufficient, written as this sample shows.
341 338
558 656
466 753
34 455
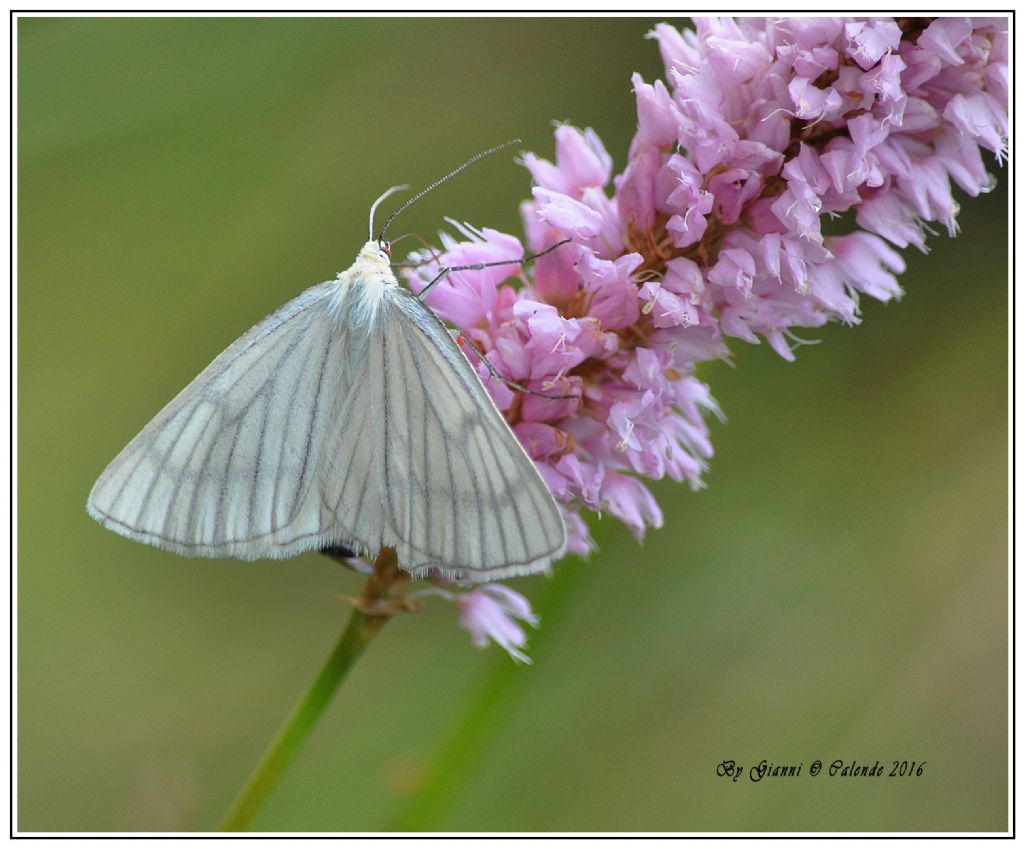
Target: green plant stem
369 615
476 729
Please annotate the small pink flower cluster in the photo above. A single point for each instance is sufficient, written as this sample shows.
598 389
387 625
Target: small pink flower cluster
714 230
490 612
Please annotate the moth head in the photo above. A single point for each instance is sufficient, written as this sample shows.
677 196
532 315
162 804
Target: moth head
376 254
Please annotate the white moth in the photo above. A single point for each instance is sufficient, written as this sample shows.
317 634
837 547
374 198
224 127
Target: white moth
347 418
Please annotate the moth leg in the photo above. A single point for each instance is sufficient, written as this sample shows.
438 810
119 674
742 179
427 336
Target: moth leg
464 343
479 266
426 289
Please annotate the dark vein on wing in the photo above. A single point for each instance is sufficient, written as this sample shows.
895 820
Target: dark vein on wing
312 426
163 462
387 432
218 518
177 491
461 447
145 450
203 474
284 445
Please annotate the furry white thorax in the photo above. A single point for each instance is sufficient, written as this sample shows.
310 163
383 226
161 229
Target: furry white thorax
372 266
363 286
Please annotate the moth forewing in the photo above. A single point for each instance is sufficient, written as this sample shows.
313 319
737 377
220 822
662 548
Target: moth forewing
347 418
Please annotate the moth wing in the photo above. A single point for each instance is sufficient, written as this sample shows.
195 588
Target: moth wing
345 418
458 491
230 467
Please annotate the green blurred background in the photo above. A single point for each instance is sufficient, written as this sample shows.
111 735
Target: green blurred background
838 591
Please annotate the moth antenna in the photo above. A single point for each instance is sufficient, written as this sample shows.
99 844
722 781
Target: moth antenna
378 201
436 183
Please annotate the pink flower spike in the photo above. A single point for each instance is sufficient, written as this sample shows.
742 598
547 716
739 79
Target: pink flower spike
713 231
490 613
